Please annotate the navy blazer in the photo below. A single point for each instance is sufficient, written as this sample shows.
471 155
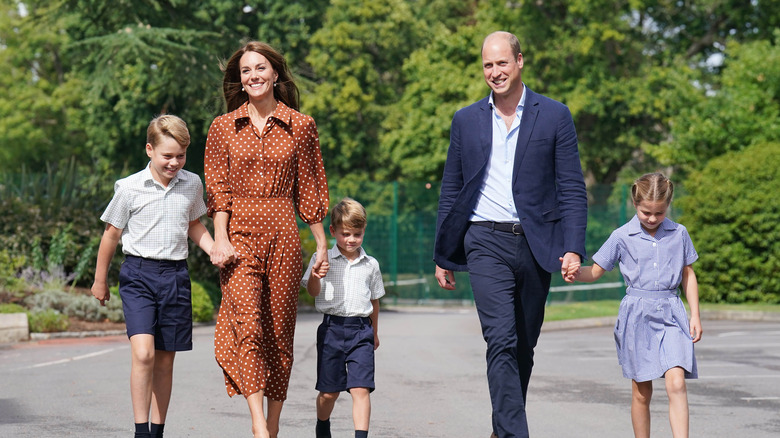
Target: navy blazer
548 186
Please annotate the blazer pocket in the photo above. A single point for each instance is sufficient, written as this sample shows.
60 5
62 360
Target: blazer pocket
552 215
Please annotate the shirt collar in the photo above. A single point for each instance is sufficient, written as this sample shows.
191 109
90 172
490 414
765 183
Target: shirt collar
635 227
149 178
520 104
282 113
334 253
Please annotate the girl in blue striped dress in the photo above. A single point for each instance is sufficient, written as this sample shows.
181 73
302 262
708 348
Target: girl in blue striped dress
653 335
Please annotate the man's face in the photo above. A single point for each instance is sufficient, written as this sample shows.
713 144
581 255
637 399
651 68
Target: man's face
500 67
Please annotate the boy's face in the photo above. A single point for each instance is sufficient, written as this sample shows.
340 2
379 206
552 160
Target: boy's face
348 240
168 157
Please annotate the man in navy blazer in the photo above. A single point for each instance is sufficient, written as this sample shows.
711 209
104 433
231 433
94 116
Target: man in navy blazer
512 210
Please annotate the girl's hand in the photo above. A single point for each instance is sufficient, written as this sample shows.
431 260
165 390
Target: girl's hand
571 271
696 330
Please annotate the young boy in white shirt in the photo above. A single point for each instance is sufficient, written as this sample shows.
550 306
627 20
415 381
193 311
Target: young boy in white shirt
348 296
153 212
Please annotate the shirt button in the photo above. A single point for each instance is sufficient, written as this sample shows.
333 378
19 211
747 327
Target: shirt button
655 244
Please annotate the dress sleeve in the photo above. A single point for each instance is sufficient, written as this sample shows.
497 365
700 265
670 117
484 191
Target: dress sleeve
690 255
311 186
216 167
609 253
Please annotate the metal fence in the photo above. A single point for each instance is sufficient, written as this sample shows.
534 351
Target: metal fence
401 232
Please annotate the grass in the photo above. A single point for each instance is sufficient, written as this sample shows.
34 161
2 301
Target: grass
582 309
594 309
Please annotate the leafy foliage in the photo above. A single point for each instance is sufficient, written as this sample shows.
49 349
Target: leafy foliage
733 216
202 307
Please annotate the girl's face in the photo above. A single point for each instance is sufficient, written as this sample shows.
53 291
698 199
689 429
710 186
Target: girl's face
257 76
651 214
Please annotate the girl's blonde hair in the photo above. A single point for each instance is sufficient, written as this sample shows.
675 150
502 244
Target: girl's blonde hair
652 187
349 214
167 125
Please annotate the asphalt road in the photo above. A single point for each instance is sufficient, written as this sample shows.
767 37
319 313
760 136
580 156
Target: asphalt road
430 383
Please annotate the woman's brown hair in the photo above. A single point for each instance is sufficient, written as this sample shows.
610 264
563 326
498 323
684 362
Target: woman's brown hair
285 89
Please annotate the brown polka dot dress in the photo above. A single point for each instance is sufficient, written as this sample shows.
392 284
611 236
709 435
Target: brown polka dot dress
261 179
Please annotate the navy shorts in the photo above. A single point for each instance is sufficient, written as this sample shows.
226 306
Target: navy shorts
345 354
157 300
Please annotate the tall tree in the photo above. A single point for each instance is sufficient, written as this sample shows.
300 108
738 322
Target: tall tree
357 57
41 102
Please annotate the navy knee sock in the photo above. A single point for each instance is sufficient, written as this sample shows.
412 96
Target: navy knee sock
157 430
142 430
361 434
323 428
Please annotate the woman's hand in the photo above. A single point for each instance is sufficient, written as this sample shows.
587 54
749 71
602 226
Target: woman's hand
222 253
321 264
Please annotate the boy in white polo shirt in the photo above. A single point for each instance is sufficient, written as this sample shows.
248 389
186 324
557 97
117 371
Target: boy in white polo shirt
153 212
348 296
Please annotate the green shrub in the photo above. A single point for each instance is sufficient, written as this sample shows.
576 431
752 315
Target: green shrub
12 308
48 321
76 305
733 216
202 307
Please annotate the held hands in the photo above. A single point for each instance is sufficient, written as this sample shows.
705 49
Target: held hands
222 253
570 267
321 265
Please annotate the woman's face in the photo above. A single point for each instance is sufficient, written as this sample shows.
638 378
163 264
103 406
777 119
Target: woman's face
257 76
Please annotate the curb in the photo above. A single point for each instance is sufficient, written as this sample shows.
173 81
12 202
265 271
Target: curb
569 324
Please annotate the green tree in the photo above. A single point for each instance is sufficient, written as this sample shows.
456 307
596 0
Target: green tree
40 107
733 217
738 108
357 57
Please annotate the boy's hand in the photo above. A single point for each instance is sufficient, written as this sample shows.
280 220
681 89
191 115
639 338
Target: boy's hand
222 253
321 265
101 292
376 341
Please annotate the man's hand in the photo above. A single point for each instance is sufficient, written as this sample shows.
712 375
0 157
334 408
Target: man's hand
446 278
570 266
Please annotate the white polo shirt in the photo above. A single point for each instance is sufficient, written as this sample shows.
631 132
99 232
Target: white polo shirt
349 286
154 219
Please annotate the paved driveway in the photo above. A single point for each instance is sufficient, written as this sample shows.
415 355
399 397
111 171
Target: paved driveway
430 383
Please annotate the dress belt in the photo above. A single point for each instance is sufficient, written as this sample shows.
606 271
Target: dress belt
654 294
507 227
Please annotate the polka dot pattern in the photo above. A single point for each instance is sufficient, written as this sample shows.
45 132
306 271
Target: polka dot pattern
262 178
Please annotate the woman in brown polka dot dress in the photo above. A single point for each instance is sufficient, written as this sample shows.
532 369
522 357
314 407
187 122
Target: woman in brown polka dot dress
263 164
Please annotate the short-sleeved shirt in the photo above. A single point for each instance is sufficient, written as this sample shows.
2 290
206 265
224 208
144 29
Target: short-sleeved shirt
155 219
349 286
653 263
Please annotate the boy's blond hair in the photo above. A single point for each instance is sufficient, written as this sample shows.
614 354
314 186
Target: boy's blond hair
167 125
349 214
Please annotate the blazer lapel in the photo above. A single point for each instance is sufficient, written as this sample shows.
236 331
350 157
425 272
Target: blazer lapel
485 126
530 112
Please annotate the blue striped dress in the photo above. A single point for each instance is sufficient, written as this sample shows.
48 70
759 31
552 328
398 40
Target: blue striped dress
652 333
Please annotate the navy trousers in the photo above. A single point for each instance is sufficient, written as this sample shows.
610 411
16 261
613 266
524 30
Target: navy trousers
510 291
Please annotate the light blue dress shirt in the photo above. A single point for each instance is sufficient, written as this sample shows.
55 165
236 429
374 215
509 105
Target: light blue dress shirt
495 202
